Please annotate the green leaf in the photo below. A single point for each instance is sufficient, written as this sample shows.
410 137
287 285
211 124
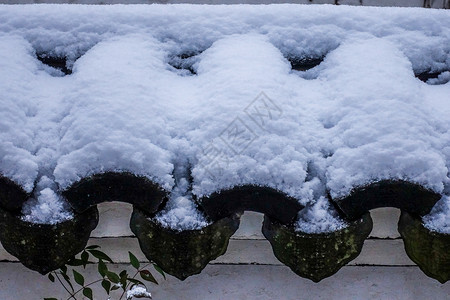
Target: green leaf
51 277
113 277
67 279
106 285
146 275
134 261
115 287
102 268
159 270
123 279
88 293
78 278
135 281
84 258
63 269
100 255
75 262
92 247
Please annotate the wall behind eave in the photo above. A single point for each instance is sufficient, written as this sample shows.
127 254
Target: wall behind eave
402 3
248 270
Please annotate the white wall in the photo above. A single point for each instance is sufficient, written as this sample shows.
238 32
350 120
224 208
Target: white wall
415 3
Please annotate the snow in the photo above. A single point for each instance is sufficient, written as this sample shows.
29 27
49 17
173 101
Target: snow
180 213
17 161
439 218
116 119
244 118
443 78
138 292
379 129
319 218
47 207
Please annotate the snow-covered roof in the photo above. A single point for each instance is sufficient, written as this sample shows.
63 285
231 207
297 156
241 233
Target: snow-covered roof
199 100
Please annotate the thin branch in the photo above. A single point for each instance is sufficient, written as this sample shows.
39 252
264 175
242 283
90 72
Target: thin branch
84 286
60 281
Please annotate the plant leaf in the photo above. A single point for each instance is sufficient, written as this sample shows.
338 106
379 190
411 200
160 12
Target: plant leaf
146 275
113 277
123 279
88 293
78 278
134 261
106 285
51 277
100 255
92 247
159 270
63 269
115 287
102 268
84 258
136 281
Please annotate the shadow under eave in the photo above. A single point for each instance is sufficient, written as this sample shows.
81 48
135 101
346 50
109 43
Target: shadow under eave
12 196
115 186
266 200
407 196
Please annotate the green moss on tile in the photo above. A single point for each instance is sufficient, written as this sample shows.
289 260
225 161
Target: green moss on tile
43 247
317 256
429 250
182 253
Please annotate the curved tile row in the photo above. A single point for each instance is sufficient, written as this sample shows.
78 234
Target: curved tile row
184 253
113 186
268 201
407 196
142 137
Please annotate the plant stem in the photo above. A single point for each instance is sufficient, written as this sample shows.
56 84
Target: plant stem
60 281
84 286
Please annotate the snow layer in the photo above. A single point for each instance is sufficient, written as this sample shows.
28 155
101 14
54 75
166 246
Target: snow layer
439 218
319 218
377 126
262 140
47 207
180 212
17 161
244 118
117 118
138 292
